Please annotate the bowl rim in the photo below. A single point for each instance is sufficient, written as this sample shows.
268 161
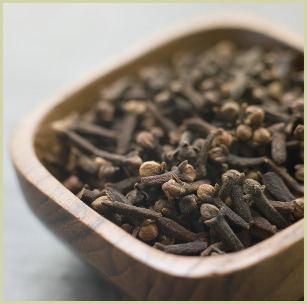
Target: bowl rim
25 160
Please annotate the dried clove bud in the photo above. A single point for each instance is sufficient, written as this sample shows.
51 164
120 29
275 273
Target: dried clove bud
254 189
150 168
230 111
228 116
137 196
175 188
299 132
215 247
244 132
276 187
261 228
254 116
146 140
220 225
261 136
188 206
299 172
175 230
73 183
190 248
233 186
278 149
184 171
101 205
148 231
210 196
88 196
208 211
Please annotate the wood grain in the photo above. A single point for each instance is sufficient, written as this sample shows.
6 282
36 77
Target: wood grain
270 270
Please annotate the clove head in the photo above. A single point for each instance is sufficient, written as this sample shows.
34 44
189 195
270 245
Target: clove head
244 132
299 132
133 162
218 153
187 170
230 110
159 205
172 189
254 116
151 168
188 204
148 231
146 140
233 175
252 187
205 190
208 211
225 138
261 136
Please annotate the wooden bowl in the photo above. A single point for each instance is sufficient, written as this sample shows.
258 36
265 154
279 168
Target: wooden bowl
270 270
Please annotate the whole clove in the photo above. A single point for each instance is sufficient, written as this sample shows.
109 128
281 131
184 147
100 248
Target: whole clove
88 196
233 186
261 227
278 147
215 219
255 191
215 247
190 248
200 155
277 188
101 204
175 230
214 199
184 171
148 231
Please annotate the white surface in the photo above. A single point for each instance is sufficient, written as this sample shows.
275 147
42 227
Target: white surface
46 47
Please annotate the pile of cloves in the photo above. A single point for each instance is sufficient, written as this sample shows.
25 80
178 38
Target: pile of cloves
201 155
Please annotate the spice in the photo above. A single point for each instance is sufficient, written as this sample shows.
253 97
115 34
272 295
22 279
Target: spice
124 185
190 248
184 171
278 148
101 204
151 168
215 247
261 228
211 197
255 192
175 188
203 153
215 219
148 231
274 184
131 161
200 155
137 196
88 196
188 207
115 196
233 186
175 230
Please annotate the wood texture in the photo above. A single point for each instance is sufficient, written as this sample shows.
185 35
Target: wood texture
270 270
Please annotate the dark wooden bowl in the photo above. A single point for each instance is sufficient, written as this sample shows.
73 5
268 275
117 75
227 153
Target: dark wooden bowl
270 270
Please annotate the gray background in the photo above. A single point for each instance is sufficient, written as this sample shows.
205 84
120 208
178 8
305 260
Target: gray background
46 47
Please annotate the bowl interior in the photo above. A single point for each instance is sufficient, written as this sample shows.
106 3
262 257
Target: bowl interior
84 96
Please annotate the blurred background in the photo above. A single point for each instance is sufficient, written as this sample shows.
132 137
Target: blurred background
47 47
